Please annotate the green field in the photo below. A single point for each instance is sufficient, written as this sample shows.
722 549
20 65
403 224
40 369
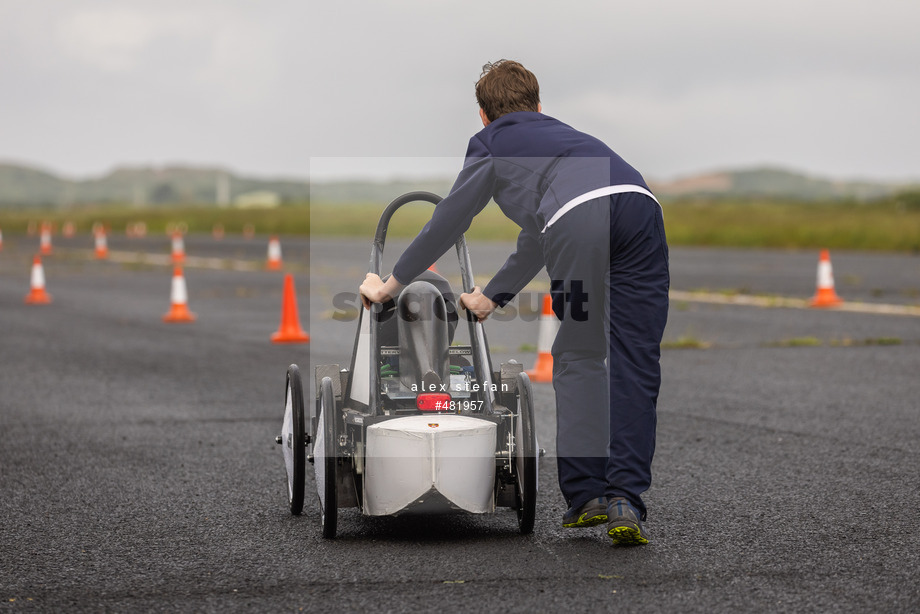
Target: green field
888 225
891 224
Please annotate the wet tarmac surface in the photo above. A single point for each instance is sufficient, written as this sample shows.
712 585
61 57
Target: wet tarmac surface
139 472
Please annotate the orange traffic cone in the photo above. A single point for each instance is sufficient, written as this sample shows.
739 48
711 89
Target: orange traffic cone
274 255
45 240
178 248
1 239
825 296
543 369
38 295
218 231
69 229
136 229
290 330
102 245
179 312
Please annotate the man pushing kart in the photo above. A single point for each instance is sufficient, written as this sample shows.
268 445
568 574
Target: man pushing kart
591 220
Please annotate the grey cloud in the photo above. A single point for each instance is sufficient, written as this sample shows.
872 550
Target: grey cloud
261 87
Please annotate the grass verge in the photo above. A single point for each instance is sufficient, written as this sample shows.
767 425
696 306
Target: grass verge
885 225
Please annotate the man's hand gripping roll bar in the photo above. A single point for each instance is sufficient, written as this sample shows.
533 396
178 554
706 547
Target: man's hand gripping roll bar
477 303
375 290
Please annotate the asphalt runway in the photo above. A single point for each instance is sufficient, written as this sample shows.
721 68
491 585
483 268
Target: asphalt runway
140 474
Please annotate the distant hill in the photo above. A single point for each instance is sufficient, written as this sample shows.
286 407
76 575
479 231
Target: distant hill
744 183
772 183
29 187
24 186
376 191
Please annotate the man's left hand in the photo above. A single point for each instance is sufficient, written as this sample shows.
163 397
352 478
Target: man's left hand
372 290
478 303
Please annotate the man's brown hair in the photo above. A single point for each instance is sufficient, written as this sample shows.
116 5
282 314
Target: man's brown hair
506 86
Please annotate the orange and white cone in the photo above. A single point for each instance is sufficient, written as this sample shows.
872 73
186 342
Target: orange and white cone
45 240
102 245
290 330
549 325
68 229
218 231
178 312
249 231
274 255
38 295
825 295
136 229
178 248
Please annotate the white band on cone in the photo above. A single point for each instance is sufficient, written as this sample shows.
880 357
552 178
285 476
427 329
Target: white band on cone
179 295
38 276
825 274
549 326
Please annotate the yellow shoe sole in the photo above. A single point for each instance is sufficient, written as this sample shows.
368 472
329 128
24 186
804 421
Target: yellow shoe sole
627 536
583 521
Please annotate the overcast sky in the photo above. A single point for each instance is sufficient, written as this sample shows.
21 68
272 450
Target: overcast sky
675 87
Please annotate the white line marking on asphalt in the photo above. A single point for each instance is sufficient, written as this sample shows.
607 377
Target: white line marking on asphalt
748 300
197 262
712 298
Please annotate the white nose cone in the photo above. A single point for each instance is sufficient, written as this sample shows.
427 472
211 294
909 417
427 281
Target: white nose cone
446 459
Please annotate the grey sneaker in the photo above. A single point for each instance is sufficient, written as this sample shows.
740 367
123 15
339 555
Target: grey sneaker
592 513
623 524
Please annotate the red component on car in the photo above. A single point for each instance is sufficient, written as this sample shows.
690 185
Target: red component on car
433 401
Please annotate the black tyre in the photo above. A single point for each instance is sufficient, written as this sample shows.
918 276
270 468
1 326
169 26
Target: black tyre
325 458
525 457
293 435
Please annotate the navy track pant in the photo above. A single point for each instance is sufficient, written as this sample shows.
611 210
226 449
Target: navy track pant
608 264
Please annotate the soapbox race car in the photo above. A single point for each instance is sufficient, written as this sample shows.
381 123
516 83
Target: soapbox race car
416 423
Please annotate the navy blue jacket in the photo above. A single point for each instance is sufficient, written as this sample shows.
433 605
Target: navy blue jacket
531 165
